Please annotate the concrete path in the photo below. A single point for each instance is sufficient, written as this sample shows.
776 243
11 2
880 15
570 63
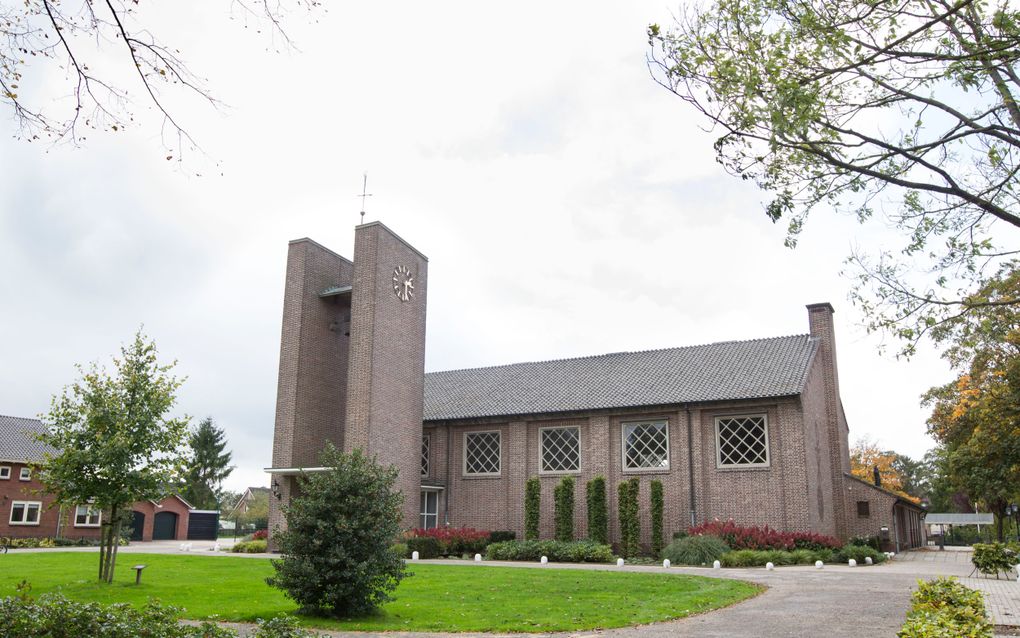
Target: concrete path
834 602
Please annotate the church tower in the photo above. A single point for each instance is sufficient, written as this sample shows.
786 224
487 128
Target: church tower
352 361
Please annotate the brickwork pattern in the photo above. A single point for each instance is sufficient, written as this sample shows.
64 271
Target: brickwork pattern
387 359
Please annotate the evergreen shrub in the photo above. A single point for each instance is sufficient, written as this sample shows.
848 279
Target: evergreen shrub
658 503
336 551
555 551
598 511
532 505
563 510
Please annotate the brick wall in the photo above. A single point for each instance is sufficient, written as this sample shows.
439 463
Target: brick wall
312 385
14 489
781 495
386 374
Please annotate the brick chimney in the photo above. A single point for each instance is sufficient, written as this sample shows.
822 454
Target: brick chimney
823 330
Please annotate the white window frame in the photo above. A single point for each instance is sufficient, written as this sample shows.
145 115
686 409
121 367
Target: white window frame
89 511
5 472
541 445
464 459
426 443
424 515
623 447
25 474
741 466
27 505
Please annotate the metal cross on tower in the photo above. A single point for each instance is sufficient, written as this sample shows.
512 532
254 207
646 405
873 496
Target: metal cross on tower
363 195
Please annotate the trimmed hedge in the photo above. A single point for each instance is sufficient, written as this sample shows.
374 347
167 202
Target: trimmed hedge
501 536
250 547
54 616
426 546
945 608
779 557
695 550
555 551
598 512
456 541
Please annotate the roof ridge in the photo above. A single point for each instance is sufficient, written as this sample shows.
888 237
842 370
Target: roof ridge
610 354
26 418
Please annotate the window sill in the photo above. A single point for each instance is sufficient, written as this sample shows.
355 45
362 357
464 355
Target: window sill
743 468
35 524
86 526
559 473
649 470
480 477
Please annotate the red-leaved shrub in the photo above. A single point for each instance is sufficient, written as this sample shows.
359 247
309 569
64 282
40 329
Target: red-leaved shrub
260 535
454 541
738 537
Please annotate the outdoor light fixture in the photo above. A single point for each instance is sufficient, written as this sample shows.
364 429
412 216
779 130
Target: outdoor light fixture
276 489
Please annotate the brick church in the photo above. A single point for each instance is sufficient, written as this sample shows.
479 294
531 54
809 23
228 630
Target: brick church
748 430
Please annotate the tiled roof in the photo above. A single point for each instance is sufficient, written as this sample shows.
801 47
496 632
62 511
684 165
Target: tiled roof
17 439
714 372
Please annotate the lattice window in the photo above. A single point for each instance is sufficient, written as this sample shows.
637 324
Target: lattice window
426 443
561 449
863 509
481 453
646 445
742 441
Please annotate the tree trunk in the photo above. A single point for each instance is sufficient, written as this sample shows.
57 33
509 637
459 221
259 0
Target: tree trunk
109 545
102 548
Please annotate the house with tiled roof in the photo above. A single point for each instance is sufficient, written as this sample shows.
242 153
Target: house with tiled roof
752 431
27 510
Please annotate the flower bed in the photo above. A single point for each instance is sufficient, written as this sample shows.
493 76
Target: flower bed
450 541
764 538
555 551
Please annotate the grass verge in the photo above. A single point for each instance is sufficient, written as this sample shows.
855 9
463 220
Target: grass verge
436 598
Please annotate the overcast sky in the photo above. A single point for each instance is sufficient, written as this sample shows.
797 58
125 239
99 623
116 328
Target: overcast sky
568 206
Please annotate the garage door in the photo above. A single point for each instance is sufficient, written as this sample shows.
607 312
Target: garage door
137 525
164 526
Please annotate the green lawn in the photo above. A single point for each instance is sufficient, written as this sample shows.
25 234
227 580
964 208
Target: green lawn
435 598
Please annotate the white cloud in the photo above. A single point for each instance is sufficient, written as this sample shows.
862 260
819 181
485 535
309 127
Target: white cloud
568 205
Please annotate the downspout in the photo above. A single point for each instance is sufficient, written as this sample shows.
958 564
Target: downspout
895 530
690 466
449 479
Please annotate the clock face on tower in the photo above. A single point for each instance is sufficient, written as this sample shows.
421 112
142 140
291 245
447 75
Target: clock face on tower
403 283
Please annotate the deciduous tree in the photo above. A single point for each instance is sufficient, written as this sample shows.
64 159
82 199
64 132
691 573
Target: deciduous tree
905 109
976 417
107 53
115 440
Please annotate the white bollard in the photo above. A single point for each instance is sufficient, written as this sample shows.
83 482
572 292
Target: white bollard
852 563
666 563
819 564
182 547
478 558
716 565
545 560
1017 568
769 566
868 561
414 555
619 562
216 547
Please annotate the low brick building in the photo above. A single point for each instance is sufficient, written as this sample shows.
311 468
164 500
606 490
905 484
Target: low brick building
27 510
748 430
